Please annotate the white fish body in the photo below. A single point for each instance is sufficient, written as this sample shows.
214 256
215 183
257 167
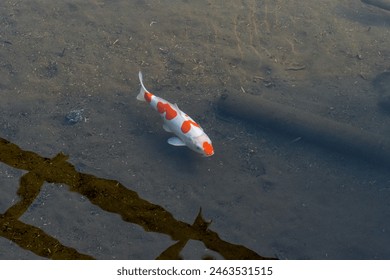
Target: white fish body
188 132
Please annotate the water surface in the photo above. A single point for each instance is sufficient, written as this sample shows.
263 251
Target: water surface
276 195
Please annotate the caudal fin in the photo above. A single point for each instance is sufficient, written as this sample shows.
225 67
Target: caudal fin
142 96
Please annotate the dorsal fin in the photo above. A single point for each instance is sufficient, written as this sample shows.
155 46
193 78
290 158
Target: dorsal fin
177 107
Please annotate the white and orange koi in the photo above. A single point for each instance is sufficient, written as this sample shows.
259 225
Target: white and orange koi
188 132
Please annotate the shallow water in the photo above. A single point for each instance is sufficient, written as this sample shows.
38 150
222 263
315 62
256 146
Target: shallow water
275 194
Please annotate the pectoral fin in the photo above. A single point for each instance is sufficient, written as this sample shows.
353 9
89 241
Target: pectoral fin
174 141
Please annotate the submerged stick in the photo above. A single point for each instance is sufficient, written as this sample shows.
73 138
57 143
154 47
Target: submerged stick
334 135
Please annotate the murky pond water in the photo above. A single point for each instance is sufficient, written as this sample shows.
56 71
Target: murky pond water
68 85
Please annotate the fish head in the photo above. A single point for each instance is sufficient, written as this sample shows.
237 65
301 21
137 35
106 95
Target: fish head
202 145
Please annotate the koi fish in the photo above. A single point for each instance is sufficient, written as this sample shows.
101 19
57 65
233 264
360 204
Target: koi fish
188 132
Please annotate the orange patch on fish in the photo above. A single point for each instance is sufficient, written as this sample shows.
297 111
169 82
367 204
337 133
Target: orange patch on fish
148 96
208 148
170 113
186 126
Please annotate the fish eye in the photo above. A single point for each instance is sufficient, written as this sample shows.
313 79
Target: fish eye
198 148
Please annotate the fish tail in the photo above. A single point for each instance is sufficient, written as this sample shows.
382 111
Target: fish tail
143 91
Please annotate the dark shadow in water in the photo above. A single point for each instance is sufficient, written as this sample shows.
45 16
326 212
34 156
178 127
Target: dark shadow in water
334 135
110 196
382 4
381 84
368 16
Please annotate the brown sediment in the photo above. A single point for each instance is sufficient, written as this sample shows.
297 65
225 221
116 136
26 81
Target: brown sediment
335 135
